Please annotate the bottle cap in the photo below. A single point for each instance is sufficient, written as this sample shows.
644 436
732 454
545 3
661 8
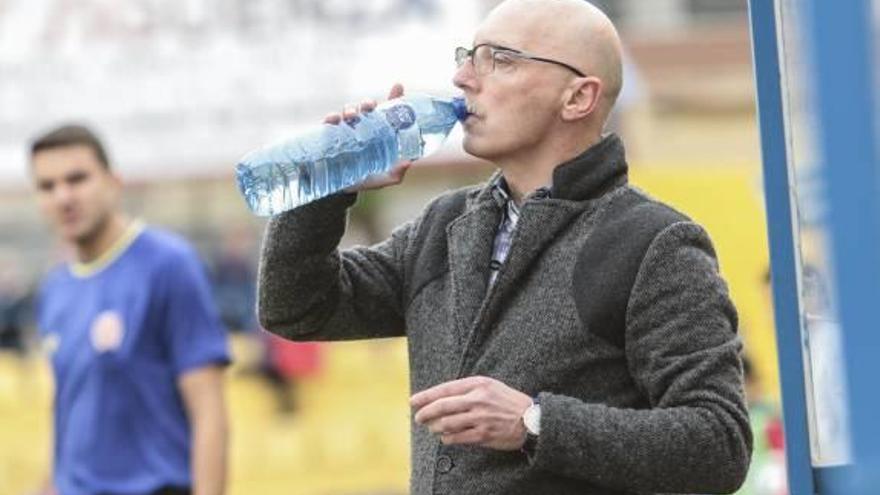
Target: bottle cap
459 107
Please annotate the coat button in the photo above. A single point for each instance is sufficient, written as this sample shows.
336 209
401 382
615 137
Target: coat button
444 464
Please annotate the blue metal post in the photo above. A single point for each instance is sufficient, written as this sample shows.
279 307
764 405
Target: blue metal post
840 34
782 247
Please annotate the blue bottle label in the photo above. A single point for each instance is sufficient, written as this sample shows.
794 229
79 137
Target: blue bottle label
400 117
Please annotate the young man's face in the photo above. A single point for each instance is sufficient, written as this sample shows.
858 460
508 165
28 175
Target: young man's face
76 193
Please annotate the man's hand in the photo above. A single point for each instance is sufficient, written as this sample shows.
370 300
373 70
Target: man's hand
349 114
474 411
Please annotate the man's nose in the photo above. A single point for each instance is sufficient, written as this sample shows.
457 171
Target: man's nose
62 194
465 77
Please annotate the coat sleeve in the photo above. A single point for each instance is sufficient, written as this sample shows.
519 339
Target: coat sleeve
683 353
309 290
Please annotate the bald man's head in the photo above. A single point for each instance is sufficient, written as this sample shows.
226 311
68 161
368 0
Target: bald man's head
571 31
529 106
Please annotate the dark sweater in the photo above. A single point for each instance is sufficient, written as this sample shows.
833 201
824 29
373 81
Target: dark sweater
609 307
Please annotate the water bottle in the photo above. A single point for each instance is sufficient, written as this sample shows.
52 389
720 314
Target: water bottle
329 158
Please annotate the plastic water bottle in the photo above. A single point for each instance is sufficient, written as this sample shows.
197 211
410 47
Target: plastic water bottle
329 158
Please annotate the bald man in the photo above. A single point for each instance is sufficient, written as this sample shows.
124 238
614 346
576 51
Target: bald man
567 333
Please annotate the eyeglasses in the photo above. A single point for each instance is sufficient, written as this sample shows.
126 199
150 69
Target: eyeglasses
486 56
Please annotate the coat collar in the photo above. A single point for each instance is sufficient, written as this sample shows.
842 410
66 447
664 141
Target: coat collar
591 174
594 172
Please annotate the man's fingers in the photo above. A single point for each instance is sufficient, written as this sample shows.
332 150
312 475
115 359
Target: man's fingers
455 387
470 436
442 407
378 181
455 423
349 113
399 170
396 91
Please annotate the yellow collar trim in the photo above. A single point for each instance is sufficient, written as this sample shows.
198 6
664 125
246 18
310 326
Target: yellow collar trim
90 268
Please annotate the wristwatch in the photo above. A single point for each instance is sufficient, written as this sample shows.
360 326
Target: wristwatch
531 418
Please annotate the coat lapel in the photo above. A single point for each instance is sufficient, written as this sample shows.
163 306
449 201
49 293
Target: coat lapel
576 185
539 224
470 239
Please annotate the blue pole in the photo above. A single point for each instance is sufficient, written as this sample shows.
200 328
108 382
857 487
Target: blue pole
782 249
841 38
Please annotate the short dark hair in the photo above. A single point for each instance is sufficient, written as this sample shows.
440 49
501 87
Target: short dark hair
71 135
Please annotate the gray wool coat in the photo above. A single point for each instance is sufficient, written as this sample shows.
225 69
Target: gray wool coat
609 308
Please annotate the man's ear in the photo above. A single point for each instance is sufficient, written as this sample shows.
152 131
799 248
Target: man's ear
582 98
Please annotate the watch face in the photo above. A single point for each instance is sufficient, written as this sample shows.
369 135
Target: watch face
532 419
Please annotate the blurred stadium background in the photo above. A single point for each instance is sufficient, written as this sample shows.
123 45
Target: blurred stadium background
180 89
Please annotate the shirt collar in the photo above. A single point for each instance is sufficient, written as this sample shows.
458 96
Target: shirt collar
119 246
501 193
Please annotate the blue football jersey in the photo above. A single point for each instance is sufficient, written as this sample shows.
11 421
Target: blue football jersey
120 331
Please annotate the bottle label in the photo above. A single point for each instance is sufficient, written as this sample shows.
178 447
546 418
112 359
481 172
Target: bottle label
400 117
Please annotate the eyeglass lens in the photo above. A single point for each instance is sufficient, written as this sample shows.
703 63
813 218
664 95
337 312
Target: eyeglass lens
482 57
